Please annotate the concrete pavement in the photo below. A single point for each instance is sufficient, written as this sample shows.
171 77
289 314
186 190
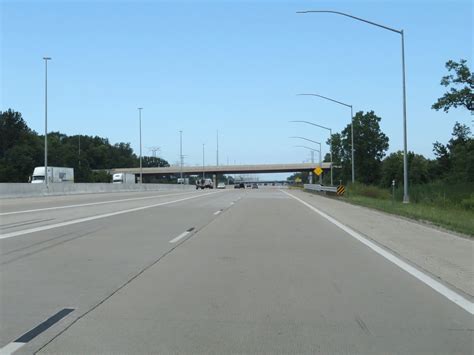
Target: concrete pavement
259 273
440 253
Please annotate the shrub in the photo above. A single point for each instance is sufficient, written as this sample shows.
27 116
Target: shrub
358 189
468 203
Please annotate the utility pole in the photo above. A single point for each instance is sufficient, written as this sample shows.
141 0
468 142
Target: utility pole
217 151
203 173
181 155
79 150
140 126
46 120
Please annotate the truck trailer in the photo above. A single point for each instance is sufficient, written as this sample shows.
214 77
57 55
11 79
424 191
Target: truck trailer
123 178
55 174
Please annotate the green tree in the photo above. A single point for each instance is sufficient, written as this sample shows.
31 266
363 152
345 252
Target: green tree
455 160
392 169
370 145
13 129
461 86
21 150
152 162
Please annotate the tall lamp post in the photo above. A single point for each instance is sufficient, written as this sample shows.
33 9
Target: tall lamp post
320 160
217 151
46 120
330 139
352 128
203 168
140 127
406 198
181 156
312 156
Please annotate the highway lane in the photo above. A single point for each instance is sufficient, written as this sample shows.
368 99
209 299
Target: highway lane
12 205
13 221
261 273
80 264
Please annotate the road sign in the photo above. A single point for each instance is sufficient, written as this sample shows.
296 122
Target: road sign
298 179
318 171
340 190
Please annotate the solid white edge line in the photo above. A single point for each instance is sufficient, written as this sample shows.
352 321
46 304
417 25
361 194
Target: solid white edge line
217 212
179 237
86 219
426 279
91 204
10 348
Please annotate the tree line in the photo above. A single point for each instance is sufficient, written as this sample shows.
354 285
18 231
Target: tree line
22 149
454 161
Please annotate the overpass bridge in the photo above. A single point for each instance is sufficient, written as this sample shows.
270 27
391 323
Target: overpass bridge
224 169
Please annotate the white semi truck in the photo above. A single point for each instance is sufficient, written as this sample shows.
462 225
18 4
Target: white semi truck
123 178
55 174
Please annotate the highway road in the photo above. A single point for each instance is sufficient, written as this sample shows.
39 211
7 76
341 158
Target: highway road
211 272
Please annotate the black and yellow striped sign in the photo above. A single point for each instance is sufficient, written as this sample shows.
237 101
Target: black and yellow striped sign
340 190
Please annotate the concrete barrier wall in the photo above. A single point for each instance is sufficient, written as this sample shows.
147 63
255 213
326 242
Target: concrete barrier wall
14 190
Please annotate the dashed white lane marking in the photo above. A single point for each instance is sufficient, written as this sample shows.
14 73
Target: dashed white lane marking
179 237
11 348
217 212
86 219
426 279
91 204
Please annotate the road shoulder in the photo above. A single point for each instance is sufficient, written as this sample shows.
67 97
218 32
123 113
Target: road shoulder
440 253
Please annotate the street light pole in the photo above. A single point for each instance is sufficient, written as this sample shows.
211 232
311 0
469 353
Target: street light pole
330 140
46 120
140 126
352 129
203 172
406 198
217 151
181 155
352 146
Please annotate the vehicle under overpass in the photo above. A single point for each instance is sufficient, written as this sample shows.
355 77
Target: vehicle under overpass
223 169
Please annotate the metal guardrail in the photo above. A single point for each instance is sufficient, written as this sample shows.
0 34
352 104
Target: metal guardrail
320 188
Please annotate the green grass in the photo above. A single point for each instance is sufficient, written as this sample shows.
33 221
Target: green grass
447 206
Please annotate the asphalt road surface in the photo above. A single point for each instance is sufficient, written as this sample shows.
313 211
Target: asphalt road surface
208 272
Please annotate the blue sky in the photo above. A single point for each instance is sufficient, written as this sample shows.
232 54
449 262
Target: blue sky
235 66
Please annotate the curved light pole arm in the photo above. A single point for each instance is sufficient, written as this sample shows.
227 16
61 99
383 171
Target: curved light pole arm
314 124
327 98
306 139
351 16
306 147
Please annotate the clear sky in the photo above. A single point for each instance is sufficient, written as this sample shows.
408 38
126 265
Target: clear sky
235 66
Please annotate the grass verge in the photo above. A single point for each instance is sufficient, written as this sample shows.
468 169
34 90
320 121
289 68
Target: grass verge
452 216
